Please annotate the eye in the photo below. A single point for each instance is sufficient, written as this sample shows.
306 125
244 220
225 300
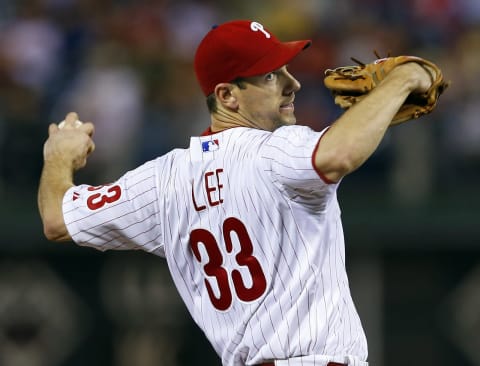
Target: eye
270 76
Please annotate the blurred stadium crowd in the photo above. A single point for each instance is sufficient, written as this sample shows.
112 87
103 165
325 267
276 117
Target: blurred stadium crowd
127 66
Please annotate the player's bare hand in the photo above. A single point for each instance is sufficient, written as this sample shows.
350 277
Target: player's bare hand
72 121
70 142
419 77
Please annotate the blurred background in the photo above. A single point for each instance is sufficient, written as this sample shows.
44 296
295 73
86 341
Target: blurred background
411 213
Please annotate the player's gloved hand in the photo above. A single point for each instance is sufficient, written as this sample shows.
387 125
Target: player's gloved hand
350 84
69 143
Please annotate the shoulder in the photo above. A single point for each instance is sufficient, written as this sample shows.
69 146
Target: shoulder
243 139
257 136
292 137
295 132
159 165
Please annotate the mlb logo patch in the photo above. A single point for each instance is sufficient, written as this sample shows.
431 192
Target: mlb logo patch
211 145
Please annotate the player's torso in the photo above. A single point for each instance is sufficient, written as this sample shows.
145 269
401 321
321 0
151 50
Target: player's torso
246 260
217 222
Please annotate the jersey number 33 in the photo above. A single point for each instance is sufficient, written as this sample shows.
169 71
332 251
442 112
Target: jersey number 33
214 268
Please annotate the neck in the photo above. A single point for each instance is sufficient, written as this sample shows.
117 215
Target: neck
222 120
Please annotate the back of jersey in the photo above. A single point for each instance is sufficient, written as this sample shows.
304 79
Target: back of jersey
254 243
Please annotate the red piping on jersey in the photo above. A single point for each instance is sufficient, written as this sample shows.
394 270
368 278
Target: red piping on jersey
209 132
320 174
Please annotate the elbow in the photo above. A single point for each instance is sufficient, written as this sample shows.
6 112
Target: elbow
335 166
55 231
347 164
334 160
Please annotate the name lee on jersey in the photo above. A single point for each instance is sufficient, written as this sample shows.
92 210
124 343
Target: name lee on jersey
213 190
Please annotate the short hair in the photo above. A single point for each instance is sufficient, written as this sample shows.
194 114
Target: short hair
212 100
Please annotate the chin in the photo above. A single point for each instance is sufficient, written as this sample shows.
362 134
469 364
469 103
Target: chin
284 122
289 121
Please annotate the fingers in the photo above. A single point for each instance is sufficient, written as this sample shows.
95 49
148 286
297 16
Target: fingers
72 122
88 128
91 147
52 129
70 119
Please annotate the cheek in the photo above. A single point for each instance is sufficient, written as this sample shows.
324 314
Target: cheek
263 111
261 104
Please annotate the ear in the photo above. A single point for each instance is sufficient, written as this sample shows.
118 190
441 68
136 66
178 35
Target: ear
225 96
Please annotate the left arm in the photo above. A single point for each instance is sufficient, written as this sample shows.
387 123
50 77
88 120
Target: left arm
356 134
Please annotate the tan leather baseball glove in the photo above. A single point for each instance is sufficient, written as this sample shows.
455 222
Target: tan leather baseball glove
350 84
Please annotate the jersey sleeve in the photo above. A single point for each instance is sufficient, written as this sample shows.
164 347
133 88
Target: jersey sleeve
288 156
121 215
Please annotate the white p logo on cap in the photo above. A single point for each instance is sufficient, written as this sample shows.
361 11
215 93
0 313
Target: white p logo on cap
254 26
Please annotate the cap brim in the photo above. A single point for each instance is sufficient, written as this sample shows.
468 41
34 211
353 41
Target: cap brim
277 57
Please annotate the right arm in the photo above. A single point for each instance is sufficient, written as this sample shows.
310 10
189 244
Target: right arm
65 151
353 137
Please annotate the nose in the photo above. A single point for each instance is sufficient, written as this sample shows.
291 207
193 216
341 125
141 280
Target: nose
292 84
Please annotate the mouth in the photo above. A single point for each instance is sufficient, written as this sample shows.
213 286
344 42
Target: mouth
287 107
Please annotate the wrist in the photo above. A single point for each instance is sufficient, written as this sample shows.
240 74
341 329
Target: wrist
415 77
60 169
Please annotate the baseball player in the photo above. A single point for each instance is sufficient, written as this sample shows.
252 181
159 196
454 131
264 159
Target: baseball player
247 216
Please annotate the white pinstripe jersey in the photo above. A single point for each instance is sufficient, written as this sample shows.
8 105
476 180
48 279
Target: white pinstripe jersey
252 237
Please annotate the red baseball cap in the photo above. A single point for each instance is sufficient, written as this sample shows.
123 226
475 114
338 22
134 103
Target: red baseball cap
241 48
